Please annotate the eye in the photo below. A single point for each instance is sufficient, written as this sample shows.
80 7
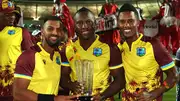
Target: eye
130 21
79 23
50 28
88 22
122 21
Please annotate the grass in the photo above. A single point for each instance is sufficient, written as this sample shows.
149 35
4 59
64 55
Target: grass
168 96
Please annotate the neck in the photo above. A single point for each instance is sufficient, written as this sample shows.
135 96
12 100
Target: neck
1 27
130 40
47 48
87 43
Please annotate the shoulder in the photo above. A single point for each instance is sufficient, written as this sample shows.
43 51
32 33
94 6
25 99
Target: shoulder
152 40
30 52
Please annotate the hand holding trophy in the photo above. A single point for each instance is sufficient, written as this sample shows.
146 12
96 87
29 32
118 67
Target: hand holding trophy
84 73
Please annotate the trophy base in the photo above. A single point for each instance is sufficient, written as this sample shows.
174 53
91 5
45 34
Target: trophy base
85 98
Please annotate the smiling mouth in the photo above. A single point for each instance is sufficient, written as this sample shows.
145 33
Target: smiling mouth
84 32
53 38
127 30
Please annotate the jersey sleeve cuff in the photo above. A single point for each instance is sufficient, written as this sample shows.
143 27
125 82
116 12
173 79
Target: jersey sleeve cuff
117 66
168 66
22 76
66 64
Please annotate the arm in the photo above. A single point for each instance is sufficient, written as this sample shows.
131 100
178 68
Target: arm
65 81
117 71
23 74
177 59
20 91
177 63
116 85
167 66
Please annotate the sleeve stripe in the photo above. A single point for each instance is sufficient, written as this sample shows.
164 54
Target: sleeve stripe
117 66
65 64
177 59
22 76
167 66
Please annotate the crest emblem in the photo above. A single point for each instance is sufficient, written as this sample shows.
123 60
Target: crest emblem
44 61
58 60
141 51
97 52
11 32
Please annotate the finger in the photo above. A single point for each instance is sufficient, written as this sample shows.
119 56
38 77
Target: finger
71 97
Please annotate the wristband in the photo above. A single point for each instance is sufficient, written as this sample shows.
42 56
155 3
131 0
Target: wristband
45 97
165 84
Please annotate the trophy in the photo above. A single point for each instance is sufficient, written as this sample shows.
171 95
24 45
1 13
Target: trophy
84 73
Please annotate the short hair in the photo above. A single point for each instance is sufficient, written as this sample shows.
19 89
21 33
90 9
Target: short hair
83 9
54 18
128 7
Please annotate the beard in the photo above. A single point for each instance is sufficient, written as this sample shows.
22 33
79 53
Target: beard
53 44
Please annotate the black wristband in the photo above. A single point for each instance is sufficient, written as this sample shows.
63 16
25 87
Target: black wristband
45 97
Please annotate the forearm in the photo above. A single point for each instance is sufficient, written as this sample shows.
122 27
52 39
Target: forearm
25 95
113 89
168 83
117 84
65 83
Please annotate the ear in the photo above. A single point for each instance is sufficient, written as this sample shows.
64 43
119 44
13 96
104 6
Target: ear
137 23
42 31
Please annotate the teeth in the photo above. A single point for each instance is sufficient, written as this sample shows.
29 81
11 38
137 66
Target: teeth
53 37
127 30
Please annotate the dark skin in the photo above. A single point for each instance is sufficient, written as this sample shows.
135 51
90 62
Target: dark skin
85 29
128 24
20 91
177 63
7 19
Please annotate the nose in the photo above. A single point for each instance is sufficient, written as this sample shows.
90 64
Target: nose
84 25
126 24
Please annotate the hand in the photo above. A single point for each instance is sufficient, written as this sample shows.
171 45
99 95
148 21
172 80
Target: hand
145 96
65 98
75 87
97 97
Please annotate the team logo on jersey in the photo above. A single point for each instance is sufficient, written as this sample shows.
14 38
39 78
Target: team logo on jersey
44 61
97 52
141 51
58 60
11 32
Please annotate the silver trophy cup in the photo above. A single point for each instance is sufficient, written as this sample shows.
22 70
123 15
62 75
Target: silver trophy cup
84 73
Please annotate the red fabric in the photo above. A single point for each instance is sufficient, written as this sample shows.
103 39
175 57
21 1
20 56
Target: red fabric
141 26
6 98
54 11
160 14
8 6
165 37
68 21
110 8
177 8
110 36
62 1
167 32
26 42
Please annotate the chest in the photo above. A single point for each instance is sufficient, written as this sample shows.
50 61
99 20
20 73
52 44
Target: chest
11 36
141 56
100 55
47 69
